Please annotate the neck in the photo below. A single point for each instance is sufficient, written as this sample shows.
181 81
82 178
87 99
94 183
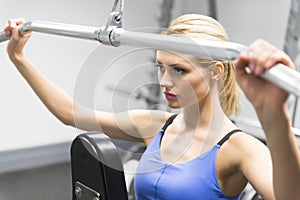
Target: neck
206 115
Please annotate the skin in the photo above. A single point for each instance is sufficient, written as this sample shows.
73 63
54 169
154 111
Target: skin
269 103
192 88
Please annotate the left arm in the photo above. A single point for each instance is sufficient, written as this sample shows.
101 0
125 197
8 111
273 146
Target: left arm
269 103
255 164
284 152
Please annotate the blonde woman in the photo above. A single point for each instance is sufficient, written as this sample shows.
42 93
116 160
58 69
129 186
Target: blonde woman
196 154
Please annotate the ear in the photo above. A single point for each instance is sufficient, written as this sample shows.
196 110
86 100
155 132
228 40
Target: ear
218 71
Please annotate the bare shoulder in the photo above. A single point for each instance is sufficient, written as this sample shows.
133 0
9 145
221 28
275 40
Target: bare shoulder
242 137
253 160
148 122
143 118
132 125
246 143
242 145
243 158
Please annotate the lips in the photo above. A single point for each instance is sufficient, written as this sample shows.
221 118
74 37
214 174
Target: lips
170 96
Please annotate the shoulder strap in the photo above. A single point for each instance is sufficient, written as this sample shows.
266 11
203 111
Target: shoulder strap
169 121
227 136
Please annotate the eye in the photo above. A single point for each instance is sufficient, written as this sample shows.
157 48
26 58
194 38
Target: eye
178 70
160 67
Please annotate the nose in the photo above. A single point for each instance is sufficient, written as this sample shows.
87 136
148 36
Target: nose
165 80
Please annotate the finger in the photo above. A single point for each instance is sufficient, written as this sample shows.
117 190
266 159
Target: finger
241 62
7 29
281 57
241 69
262 56
14 29
251 60
259 70
257 61
254 53
19 21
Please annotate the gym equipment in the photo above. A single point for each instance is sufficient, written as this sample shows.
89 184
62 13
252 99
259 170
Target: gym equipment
97 170
113 34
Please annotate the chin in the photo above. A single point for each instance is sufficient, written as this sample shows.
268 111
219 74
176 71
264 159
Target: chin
174 105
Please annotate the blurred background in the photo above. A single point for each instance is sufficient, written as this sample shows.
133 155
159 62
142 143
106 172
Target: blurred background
35 146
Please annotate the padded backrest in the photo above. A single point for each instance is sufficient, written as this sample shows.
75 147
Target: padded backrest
97 170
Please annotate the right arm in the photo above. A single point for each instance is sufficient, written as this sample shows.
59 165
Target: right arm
133 125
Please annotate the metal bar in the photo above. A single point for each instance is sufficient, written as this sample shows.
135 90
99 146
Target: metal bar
70 30
285 78
3 37
205 48
77 31
282 76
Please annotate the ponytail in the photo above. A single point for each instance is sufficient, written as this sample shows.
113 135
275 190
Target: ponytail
228 90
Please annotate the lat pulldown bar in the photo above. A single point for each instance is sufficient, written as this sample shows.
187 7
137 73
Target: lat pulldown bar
113 34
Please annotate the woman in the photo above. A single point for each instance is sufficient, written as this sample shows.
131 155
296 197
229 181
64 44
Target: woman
197 154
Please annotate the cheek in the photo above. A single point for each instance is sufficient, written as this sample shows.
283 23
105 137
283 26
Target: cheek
199 82
191 90
198 88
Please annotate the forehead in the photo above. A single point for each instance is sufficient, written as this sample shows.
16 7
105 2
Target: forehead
173 58
169 58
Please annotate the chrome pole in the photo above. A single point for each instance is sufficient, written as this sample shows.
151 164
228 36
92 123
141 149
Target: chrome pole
3 37
282 76
205 48
69 30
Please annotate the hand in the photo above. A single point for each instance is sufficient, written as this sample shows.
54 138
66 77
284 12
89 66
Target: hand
261 93
17 41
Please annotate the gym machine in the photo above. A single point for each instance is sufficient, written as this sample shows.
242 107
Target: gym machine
114 35
97 169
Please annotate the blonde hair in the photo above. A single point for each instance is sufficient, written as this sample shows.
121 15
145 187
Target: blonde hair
205 27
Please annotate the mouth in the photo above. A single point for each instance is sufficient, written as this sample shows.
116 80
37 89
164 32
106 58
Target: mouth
170 96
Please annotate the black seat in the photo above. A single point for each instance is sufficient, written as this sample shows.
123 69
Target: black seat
97 170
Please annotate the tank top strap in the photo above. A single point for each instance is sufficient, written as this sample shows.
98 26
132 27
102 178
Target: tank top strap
227 136
168 122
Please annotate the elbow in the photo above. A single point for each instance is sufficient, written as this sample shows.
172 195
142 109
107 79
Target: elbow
67 118
79 117
67 122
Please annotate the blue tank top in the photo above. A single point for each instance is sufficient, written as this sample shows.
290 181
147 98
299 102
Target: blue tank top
192 180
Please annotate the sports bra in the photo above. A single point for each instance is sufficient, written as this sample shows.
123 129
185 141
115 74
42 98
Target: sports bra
192 180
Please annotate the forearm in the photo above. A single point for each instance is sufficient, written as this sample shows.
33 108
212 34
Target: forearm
284 152
54 98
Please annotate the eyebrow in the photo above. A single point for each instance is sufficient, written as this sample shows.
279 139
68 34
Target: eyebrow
172 65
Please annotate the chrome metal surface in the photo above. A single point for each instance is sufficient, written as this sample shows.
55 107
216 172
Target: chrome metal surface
284 77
